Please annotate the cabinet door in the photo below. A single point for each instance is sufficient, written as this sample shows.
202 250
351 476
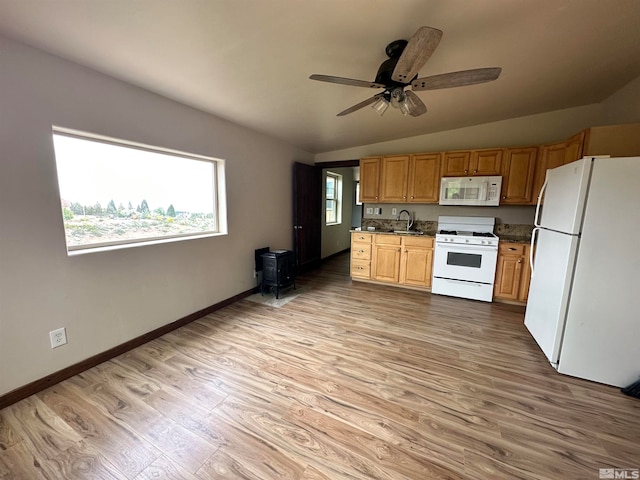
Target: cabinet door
424 178
455 164
573 148
517 175
393 178
508 277
486 162
386 263
525 281
369 179
549 156
416 265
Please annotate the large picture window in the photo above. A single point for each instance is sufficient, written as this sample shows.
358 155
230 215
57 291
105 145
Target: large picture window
333 193
117 193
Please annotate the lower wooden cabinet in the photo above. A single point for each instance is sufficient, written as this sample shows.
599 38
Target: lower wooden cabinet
513 273
392 259
416 262
385 262
361 255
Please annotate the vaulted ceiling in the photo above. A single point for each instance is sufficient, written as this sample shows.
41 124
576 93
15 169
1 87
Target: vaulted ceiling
248 61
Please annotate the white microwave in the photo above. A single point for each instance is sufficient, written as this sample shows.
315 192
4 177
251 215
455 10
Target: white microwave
482 191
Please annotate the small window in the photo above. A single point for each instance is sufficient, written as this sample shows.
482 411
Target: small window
117 193
333 190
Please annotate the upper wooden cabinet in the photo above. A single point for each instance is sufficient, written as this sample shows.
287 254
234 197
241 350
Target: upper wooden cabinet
486 162
394 176
518 168
455 164
555 155
424 178
467 163
416 178
370 179
400 179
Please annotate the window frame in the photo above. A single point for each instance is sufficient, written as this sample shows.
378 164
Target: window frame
336 199
218 198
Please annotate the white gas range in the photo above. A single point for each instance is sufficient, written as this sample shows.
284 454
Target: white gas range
465 257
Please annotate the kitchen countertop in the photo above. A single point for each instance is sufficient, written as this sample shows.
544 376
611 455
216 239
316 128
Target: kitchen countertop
502 238
391 232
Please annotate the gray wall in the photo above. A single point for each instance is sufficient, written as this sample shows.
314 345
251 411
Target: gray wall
336 238
105 299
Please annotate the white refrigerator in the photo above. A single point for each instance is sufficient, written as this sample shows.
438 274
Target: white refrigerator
584 301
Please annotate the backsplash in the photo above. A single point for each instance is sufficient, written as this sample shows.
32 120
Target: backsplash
427 226
506 231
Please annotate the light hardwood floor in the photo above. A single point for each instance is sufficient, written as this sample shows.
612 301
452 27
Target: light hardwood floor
348 381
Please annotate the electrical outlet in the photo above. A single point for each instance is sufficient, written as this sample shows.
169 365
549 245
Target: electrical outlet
369 211
394 211
378 211
58 337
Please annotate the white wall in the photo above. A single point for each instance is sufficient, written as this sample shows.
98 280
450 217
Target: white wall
336 238
105 299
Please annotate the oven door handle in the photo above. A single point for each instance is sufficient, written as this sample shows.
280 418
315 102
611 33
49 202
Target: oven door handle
452 247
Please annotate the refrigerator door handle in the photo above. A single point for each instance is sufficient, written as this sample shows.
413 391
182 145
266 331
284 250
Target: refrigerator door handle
536 219
533 241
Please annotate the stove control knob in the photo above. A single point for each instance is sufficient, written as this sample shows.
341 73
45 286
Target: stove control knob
467 240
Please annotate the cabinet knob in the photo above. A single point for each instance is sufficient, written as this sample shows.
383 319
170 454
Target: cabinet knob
475 171
504 197
360 251
412 197
513 249
466 171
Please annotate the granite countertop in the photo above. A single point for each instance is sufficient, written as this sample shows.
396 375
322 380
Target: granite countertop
391 232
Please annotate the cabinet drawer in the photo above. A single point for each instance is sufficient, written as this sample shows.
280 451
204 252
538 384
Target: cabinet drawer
360 268
361 237
388 240
361 251
426 242
511 248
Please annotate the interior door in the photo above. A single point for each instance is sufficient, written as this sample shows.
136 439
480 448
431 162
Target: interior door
307 209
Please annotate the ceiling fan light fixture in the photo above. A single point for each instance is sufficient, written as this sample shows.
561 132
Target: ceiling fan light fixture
380 106
408 106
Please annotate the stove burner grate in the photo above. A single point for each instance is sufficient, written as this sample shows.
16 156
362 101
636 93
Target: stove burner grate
448 232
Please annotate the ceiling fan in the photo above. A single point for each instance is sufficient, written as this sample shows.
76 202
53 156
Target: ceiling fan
400 70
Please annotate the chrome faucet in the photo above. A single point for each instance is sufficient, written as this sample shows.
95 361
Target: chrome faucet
409 220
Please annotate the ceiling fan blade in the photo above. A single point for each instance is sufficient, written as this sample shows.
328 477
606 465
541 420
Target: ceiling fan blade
360 105
346 81
456 79
416 53
417 106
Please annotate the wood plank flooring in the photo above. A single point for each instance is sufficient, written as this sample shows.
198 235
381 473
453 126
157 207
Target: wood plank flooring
348 381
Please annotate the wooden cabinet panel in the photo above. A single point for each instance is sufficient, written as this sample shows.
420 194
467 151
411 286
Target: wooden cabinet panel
513 274
486 162
361 269
361 251
386 263
573 148
525 282
518 169
549 156
370 179
455 164
361 246
424 178
393 178
416 266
